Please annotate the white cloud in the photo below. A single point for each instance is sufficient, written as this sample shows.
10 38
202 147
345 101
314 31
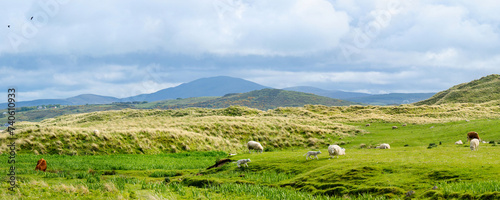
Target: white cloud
124 47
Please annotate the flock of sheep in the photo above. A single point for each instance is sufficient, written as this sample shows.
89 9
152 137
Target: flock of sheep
336 150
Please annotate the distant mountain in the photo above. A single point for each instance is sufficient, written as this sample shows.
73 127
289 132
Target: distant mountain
76 100
379 99
91 99
269 99
336 94
392 98
482 90
213 86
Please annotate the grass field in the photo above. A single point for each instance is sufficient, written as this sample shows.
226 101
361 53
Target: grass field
281 172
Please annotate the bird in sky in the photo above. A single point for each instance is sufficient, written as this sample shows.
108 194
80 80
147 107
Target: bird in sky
8 26
31 18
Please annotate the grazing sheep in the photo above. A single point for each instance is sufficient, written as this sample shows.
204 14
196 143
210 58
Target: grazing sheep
312 153
384 146
474 143
367 125
254 145
335 150
484 142
459 142
404 125
432 127
96 132
394 127
242 162
467 120
232 154
471 135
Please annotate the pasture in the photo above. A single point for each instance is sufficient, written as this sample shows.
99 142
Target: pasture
281 172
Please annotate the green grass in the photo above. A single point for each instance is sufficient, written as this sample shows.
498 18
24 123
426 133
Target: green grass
281 171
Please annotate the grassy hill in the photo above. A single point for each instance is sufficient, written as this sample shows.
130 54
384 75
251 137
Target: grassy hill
482 90
268 99
259 99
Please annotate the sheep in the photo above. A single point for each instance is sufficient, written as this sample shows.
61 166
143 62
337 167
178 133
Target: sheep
384 146
335 150
403 125
312 153
471 135
459 142
394 127
242 162
474 143
254 145
367 125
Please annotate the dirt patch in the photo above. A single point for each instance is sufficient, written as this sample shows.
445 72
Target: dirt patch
220 163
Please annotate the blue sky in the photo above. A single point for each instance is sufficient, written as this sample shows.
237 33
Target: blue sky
123 48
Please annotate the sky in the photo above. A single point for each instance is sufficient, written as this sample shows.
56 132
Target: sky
123 48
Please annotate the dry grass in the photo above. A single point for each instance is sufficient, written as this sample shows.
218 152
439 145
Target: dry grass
196 129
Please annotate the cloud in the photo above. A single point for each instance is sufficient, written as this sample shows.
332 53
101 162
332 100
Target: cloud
123 47
187 27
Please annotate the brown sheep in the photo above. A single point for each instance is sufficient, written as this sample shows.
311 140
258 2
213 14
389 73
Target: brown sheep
41 165
471 135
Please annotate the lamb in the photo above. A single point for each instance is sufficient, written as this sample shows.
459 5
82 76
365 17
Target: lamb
312 153
384 146
471 135
254 145
459 142
474 143
335 150
242 162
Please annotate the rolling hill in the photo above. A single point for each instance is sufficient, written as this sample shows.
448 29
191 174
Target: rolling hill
213 86
268 99
482 90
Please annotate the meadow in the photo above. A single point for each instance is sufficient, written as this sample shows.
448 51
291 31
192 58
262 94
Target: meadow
164 154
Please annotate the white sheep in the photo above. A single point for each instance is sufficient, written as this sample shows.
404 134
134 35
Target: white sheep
384 146
459 142
254 145
312 153
96 131
474 143
242 162
335 150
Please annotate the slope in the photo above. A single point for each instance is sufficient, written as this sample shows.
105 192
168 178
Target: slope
269 99
483 90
